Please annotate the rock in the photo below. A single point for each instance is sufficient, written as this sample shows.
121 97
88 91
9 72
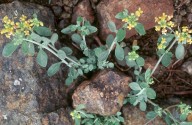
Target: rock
60 117
63 23
65 15
26 90
107 9
68 9
187 66
57 10
189 18
83 9
104 94
134 116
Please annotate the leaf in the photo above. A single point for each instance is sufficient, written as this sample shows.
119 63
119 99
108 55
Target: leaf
8 49
92 29
142 106
166 60
119 52
24 47
186 123
43 31
54 68
103 56
130 63
69 80
35 37
134 86
151 115
140 61
80 107
61 54
147 74
42 58
31 49
121 35
168 37
76 38
54 38
112 26
140 29
151 94
183 117
67 30
109 40
67 50
180 51
122 15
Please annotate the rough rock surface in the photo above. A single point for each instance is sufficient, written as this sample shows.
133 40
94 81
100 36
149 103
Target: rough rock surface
134 116
26 90
187 66
104 94
107 9
83 9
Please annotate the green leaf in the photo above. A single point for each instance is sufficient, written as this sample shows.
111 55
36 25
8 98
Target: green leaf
43 31
76 38
80 107
61 54
122 15
8 49
142 106
92 29
147 74
180 51
42 58
186 123
54 38
31 49
67 30
112 26
24 47
35 37
183 117
168 37
134 86
166 60
121 35
67 50
54 68
151 94
151 115
119 52
140 61
130 63
103 56
140 29
69 80
109 40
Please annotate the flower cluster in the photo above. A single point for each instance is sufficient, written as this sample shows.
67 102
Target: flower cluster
184 36
162 45
24 26
163 23
74 114
132 19
133 55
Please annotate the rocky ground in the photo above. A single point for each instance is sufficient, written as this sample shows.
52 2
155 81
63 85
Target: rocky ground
30 97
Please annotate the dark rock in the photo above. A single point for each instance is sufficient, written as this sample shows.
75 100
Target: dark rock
104 94
134 116
107 9
65 15
189 18
26 90
63 23
187 66
68 9
183 12
59 117
83 9
57 10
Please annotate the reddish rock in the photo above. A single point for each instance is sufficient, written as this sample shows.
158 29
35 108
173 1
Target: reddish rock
104 94
83 9
134 116
107 9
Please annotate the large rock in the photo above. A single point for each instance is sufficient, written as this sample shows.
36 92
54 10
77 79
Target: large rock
26 90
83 9
107 9
104 94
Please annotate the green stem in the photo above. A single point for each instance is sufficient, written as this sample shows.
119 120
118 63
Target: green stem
157 64
112 45
50 50
66 56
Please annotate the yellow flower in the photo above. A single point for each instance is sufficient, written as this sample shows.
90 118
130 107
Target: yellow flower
26 33
5 19
129 26
157 28
185 29
138 12
164 31
23 18
170 24
163 40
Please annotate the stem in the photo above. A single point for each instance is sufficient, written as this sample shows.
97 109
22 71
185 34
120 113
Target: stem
66 56
112 45
50 50
157 64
